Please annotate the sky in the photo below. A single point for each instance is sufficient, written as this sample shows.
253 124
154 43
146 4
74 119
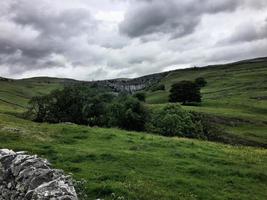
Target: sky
105 39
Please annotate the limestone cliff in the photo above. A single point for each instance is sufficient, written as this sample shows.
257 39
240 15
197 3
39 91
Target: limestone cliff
132 85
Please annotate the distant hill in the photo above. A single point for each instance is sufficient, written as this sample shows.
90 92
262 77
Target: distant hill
131 84
41 85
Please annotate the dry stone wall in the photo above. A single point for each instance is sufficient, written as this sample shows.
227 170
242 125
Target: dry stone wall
28 177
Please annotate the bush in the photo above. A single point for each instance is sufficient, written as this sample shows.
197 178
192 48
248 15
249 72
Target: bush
81 105
205 128
201 82
76 104
128 113
95 112
141 96
185 92
171 120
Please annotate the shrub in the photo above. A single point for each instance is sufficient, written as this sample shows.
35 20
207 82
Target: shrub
171 120
81 105
128 113
141 96
205 128
201 82
76 104
185 92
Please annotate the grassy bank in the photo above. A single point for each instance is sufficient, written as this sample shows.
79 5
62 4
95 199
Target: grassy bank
118 163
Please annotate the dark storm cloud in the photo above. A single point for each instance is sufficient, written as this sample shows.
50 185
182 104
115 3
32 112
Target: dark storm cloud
125 38
177 18
53 23
35 31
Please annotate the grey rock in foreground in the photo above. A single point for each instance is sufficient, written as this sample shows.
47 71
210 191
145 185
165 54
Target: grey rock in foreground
27 177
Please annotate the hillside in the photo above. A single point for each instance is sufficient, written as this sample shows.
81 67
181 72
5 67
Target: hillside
18 92
119 164
132 165
236 94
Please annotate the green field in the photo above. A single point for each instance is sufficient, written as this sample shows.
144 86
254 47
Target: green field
119 164
142 166
236 92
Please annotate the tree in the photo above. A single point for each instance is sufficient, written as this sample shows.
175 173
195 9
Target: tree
39 108
201 82
129 113
76 104
95 111
171 120
185 92
141 96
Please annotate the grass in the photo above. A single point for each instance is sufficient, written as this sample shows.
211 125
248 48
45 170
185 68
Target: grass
233 91
19 92
119 164
133 165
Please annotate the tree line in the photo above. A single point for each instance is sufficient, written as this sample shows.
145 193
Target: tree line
89 106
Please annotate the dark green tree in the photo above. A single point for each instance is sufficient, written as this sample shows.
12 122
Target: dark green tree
171 120
39 108
77 104
185 92
141 96
129 113
201 82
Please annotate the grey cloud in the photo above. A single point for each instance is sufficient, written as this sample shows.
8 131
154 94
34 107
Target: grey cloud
38 31
51 22
237 52
47 37
177 18
247 33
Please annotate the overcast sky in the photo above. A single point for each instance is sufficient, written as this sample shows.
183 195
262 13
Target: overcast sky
101 39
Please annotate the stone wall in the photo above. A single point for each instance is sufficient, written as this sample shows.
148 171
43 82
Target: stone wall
26 177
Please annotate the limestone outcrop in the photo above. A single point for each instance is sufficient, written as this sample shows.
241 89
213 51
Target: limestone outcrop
28 177
132 85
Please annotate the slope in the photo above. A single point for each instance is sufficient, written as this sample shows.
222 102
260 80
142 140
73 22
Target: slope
118 164
236 93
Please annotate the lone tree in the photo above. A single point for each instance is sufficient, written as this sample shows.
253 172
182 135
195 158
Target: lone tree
201 82
185 92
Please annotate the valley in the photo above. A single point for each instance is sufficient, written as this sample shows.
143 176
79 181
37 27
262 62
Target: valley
119 164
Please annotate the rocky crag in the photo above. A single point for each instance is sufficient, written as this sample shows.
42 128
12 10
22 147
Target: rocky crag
132 85
27 177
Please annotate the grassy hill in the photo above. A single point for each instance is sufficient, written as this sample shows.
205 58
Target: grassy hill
236 93
143 166
17 93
